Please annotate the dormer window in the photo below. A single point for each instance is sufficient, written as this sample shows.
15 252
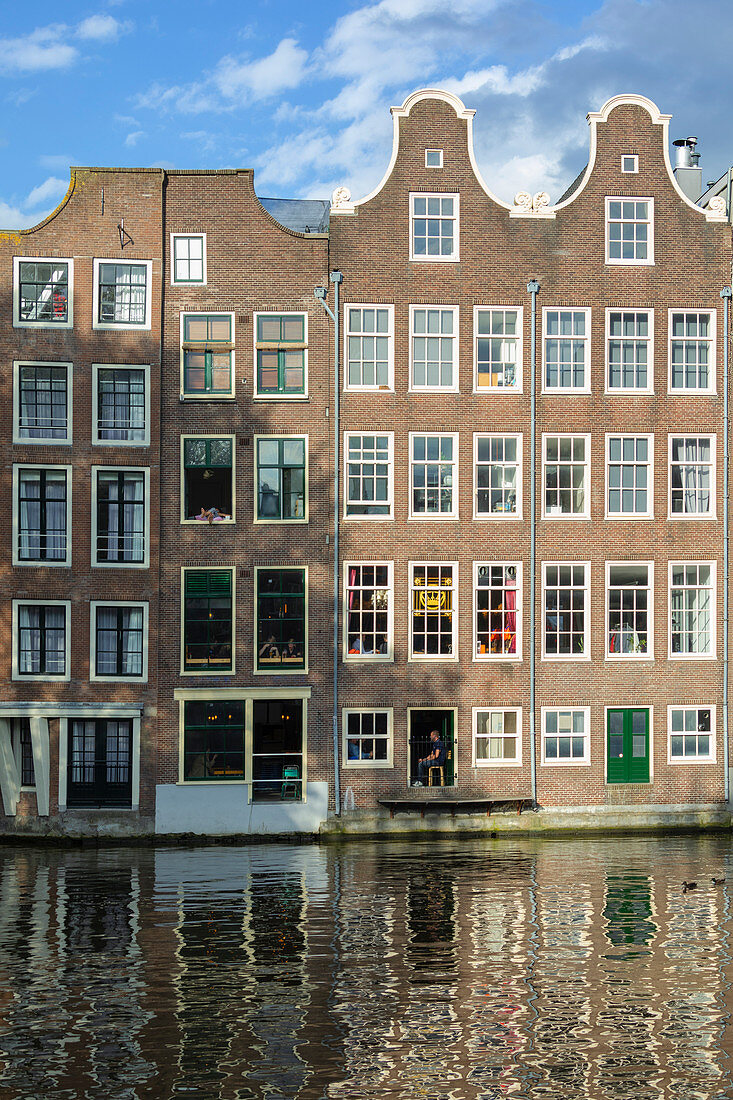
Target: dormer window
433 158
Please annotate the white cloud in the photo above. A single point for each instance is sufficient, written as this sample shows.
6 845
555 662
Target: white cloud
101 28
51 190
133 138
40 50
55 160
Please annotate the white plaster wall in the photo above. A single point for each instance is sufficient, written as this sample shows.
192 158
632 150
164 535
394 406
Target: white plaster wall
210 809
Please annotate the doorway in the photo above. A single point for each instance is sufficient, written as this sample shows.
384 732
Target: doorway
627 745
419 725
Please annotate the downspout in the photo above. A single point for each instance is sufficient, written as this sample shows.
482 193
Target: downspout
725 294
320 293
533 288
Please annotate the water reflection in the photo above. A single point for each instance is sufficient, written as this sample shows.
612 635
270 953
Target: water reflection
451 970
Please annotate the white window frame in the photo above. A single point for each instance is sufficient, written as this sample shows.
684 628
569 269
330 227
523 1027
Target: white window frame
44 677
351 387
713 654
629 169
438 158
182 474
627 516
361 765
478 763
455 255
519 373
453 388
182 670
43 441
306 371
204 396
586 387
94 604
565 761
642 655
117 326
619 261
187 282
304 569
712 514
711 758
367 658
145 441
516 657
145 563
553 515
712 387
257 439
366 518
17 322
421 517
649 388
433 657
585 655
40 562
498 516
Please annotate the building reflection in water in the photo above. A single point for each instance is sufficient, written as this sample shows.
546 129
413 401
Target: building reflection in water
480 969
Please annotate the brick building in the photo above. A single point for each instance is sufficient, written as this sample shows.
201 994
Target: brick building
495 363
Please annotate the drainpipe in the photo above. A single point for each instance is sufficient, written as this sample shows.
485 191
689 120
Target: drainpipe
533 288
725 294
320 293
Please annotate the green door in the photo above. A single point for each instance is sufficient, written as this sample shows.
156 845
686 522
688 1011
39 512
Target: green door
628 746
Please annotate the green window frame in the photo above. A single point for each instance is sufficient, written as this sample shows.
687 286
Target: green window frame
207 344
281 353
214 740
281 478
208 635
280 619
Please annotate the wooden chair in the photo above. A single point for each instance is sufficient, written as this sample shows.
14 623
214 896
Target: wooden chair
440 769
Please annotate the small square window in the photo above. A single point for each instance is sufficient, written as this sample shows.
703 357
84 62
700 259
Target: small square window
43 293
122 294
207 494
188 258
629 163
433 158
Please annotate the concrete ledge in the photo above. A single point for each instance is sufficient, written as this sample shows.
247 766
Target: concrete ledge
564 819
215 809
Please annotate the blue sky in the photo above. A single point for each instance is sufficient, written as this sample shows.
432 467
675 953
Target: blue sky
302 93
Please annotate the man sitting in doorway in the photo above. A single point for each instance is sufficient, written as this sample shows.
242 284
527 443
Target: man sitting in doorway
434 759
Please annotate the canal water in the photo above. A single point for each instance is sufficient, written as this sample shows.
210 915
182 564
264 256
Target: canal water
462 968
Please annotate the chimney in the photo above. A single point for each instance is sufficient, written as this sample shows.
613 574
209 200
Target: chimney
686 169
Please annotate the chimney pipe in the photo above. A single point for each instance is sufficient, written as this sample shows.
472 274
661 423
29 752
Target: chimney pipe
687 170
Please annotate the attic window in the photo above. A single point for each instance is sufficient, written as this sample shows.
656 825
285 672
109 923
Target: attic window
433 158
629 163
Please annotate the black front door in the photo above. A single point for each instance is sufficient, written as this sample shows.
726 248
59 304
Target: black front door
100 762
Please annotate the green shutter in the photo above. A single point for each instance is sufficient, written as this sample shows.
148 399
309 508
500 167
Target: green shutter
208 582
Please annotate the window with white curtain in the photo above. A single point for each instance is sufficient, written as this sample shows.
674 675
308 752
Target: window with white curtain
121 405
42 499
119 533
42 402
40 640
692 609
691 475
119 641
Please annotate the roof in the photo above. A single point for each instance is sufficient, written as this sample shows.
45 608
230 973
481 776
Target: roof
573 186
301 215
